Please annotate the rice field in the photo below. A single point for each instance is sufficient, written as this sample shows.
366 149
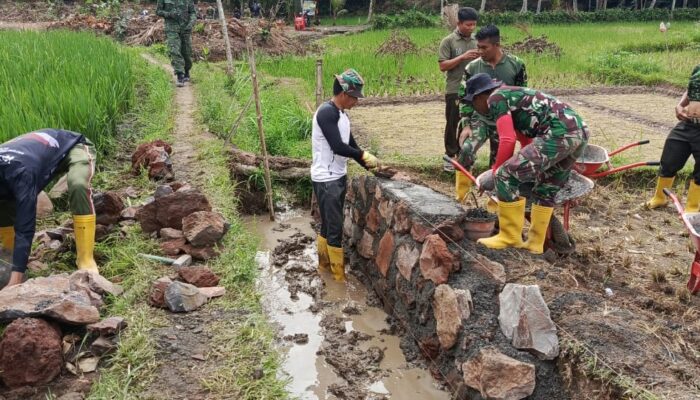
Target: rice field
66 80
590 56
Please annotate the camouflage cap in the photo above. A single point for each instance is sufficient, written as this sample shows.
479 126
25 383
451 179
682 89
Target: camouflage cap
351 82
478 84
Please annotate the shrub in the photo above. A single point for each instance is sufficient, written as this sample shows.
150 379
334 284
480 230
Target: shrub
405 19
611 15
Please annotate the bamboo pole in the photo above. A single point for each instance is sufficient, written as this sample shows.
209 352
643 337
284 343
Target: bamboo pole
227 42
239 120
261 132
319 82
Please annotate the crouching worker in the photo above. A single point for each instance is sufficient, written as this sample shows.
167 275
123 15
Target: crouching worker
551 136
683 141
27 164
332 144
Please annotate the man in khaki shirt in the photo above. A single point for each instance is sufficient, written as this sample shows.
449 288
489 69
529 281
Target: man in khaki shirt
456 51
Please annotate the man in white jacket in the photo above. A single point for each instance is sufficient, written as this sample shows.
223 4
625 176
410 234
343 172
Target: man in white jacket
332 144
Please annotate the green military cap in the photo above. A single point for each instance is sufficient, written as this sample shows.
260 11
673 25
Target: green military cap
351 82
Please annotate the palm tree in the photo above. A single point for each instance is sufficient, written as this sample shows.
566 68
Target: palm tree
336 6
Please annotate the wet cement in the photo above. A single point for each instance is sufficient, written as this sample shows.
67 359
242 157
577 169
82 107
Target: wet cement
329 326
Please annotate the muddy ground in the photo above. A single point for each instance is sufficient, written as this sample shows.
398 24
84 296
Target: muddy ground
336 342
616 116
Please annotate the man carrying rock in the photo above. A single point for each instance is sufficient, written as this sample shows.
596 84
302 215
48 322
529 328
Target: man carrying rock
27 164
180 17
552 136
332 144
475 128
456 50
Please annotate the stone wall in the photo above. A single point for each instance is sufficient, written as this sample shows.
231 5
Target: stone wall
406 243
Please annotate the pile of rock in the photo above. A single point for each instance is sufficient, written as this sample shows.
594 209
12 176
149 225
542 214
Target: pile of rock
406 243
190 289
183 219
154 157
33 349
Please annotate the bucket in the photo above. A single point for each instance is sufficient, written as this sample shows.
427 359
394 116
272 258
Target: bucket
478 224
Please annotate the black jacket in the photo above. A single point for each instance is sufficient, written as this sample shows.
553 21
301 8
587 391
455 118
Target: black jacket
27 164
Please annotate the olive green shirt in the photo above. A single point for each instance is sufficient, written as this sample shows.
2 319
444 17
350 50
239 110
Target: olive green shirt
453 45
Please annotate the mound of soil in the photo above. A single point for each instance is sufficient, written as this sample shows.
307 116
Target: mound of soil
537 45
398 43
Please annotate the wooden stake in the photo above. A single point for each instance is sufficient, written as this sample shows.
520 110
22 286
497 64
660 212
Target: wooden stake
239 120
227 42
319 82
261 132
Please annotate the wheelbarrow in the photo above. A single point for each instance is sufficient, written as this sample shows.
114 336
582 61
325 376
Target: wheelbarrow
594 157
692 222
558 237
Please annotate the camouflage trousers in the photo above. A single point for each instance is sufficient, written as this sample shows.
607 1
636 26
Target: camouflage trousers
546 162
481 132
180 48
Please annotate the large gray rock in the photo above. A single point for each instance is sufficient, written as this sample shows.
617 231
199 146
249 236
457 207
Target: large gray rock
524 318
47 297
95 282
183 297
499 377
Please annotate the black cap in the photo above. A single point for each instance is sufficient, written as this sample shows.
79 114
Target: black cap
478 84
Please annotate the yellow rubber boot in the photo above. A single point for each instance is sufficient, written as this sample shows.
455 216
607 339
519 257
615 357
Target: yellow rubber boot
539 222
7 237
692 204
84 227
337 259
462 186
511 217
492 206
324 263
660 199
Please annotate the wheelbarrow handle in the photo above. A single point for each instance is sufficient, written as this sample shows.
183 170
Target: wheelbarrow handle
641 142
675 201
653 163
627 146
461 169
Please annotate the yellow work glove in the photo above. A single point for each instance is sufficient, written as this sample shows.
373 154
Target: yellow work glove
371 162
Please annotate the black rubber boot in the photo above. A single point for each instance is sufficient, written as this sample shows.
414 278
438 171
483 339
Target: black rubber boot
187 76
180 79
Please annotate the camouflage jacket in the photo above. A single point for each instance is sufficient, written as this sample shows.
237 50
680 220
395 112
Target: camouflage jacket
694 85
534 113
178 14
510 70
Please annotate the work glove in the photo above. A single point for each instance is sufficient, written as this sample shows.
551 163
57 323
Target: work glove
371 162
486 181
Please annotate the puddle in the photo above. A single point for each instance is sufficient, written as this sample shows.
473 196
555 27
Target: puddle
311 376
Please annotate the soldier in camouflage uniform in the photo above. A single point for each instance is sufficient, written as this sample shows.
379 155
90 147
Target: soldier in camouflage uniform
476 129
683 141
180 16
552 136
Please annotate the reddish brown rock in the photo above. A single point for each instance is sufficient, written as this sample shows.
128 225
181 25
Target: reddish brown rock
361 188
372 220
30 353
201 253
44 206
347 223
420 232
108 326
108 207
429 347
490 268
384 253
386 211
199 276
82 279
204 228
168 211
466 305
406 259
156 296
155 157
170 234
499 377
365 247
128 214
402 223
173 247
448 315
357 217
449 231
436 260
102 231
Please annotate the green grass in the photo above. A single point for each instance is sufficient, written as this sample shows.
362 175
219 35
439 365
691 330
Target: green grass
582 45
67 80
343 20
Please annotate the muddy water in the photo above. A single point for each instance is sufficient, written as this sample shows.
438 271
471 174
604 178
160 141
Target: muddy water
310 376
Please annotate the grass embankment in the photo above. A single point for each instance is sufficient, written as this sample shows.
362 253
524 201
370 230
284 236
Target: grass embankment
66 80
592 54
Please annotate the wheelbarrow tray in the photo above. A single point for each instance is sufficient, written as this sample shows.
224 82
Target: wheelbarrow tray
577 186
692 222
592 159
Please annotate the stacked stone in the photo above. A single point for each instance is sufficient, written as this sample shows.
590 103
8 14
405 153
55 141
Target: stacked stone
406 243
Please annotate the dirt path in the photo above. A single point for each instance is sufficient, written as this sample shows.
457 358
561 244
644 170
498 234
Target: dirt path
24 26
185 344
